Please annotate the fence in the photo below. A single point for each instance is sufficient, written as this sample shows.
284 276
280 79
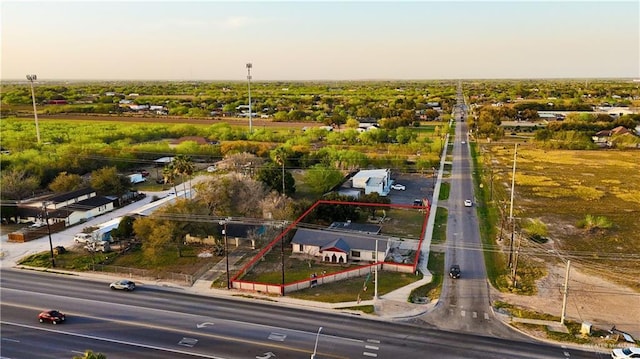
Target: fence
146 273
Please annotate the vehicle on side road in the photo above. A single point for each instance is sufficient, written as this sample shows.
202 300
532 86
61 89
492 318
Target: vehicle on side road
454 271
468 203
83 238
398 187
631 352
123 284
51 316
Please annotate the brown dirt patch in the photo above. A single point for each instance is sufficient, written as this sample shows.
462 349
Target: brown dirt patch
590 299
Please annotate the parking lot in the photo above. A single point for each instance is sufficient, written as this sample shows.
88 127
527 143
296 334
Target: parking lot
417 186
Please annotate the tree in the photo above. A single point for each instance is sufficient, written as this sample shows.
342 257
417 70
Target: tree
231 195
66 182
322 178
107 181
125 228
271 175
91 355
183 165
18 184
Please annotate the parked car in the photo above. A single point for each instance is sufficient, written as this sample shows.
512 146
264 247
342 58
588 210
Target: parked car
468 203
454 271
83 238
631 352
398 187
51 316
123 284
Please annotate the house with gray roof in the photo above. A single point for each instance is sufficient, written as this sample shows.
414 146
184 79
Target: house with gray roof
335 246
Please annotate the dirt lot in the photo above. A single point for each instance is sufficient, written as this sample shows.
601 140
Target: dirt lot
590 299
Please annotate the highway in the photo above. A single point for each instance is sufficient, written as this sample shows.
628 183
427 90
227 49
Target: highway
167 323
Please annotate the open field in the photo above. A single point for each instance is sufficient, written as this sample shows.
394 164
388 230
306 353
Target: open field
560 188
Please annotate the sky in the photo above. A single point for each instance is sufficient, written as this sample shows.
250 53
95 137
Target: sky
331 40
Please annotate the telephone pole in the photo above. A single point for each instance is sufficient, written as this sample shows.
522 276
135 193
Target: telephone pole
566 291
513 225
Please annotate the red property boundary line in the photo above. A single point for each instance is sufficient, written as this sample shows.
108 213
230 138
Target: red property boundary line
294 224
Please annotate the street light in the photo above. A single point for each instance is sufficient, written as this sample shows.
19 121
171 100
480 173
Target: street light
46 216
32 78
249 66
313 356
226 250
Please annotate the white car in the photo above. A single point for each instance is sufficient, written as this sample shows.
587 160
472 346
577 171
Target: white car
83 238
398 186
463 142
468 203
123 284
631 352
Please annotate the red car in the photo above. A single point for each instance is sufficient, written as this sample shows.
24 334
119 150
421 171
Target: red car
52 316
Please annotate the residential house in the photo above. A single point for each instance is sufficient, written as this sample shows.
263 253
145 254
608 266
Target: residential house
339 246
603 138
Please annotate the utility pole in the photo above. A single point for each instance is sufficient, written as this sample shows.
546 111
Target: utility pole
375 277
226 251
283 224
515 265
46 216
513 183
566 291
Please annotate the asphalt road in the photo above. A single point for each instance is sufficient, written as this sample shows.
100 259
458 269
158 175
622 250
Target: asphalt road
164 323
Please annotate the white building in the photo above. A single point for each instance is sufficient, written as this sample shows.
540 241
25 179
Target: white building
373 181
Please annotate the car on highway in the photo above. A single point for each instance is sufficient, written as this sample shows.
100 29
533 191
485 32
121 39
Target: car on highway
123 284
454 271
51 316
398 187
468 203
630 352
463 142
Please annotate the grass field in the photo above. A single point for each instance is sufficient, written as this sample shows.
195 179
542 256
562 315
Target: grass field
561 188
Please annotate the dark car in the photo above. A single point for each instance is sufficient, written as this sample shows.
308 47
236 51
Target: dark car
454 271
51 316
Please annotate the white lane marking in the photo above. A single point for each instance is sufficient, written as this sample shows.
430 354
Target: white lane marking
11 340
367 354
371 347
486 316
373 341
116 341
463 313
188 342
475 314
279 337
219 321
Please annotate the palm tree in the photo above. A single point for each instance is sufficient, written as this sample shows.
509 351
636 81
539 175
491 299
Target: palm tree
168 175
183 165
280 156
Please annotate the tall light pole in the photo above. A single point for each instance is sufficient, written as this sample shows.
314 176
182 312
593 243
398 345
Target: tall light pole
249 66
315 348
32 78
